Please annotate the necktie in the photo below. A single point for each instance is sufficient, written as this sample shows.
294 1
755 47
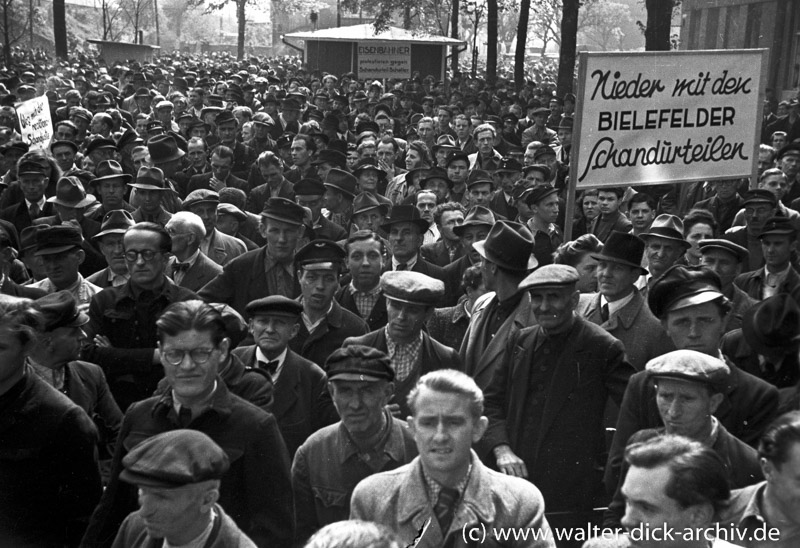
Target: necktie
402 266
180 267
604 312
445 508
35 211
270 366
184 416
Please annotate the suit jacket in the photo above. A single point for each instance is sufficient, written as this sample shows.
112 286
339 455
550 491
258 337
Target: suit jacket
204 179
753 282
242 280
328 336
437 254
429 269
328 230
199 274
433 355
378 317
491 502
452 274
734 346
224 533
723 216
448 325
302 403
222 248
499 205
564 449
634 325
20 217
750 404
10 287
482 356
603 228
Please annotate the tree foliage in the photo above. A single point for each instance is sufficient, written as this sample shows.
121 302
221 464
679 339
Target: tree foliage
14 24
136 15
605 24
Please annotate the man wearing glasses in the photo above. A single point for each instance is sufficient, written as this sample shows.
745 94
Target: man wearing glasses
122 320
256 490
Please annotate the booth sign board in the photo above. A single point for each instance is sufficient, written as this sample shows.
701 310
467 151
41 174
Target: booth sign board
35 122
379 60
667 117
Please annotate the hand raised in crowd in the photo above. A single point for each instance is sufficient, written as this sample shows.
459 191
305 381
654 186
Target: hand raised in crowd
509 463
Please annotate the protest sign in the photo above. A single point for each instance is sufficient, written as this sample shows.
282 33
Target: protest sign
667 117
35 123
379 60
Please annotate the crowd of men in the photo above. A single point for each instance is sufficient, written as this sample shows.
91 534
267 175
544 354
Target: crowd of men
244 304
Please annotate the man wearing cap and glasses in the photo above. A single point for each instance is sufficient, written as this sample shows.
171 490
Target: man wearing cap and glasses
256 489
759 205
122 319
693 311
178 475
505 258
410 301
302 405
778 275
367 440
546 401
688 386
619 307
269 270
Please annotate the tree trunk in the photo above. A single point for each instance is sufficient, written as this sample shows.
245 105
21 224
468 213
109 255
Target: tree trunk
659 19
569 41
6 33
242 21
60 28
407 17
454 34
491 46
522 38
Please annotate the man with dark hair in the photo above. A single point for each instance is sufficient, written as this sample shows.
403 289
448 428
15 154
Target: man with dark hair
726 258
642 212
693 311
256 490
759 206
220 175
450 487
724 204
448 249
366 258
368 439
611 218
674 485
688 386
121 330
309 193
303 149
405 228
242 155
778 244
770 505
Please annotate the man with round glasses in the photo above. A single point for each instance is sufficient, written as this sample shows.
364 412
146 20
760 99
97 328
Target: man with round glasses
256 490
122 326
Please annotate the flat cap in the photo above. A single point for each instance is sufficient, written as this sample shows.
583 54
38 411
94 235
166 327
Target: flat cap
508 165
56 239
230 209
412 287
60 309
200 196
724 244
782 226
320 255
759 195
175 459
551 275
681 287
284 210
274 304
690 365
309 187
356 362
539 193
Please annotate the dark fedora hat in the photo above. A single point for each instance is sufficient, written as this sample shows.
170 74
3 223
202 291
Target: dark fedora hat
108 170
60 309
368 163
329 156
117 221
366 201
406 214
772 325
149 178
668 227
70 193
436 173
623 248
476 216
163 148
509 245
341 181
